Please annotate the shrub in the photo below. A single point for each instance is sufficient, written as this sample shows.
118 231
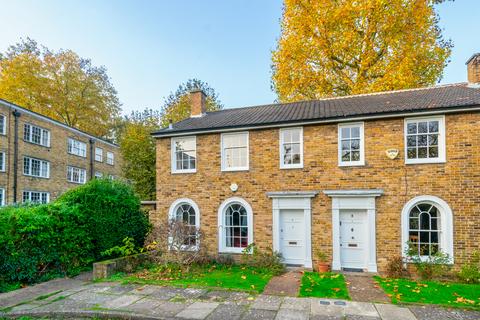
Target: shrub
470 272
396 268
112 212
434 266
40 242
255 257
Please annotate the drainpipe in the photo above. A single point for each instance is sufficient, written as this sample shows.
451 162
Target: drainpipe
92 155
16 115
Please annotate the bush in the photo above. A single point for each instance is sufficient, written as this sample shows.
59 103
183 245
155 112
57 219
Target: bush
112 212
38 242
396 268
431 267
470 272
252 256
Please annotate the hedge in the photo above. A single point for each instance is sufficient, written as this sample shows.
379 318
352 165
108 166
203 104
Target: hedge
38 242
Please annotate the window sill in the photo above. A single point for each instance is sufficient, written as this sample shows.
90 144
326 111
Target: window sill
75 182
183 171
30 176
426 161
351 164
231 250
234 169
291 167
37 144
77 155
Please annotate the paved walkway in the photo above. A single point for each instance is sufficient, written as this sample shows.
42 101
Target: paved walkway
76 298
362 287
287 284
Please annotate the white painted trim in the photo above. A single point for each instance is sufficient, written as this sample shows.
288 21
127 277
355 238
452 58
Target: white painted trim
3 200
172 216
40 192
112 163
42 131
96 154
357 200
360 162
55 122
173 162
30 167
5 125
224 167
3 164
296 165
442 150
221 212
313 122
446 223
82 146
79 170
298 201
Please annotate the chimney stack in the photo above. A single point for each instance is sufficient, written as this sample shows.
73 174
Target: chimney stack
198 100
473 69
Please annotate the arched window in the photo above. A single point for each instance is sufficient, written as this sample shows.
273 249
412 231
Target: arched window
235 225
187 212
427 227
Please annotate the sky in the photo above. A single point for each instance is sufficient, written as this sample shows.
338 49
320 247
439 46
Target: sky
150 47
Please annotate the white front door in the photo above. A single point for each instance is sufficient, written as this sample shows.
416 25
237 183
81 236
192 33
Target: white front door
353 239
292 236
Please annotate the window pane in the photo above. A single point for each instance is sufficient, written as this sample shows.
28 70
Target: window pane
412 128
424 221
345 133
355 155
422 152
412 141
433 126
355 144
355 131
411 153
433 152
287 136
422 127
345 155
346 145
432 139
295 135
422 140
414 223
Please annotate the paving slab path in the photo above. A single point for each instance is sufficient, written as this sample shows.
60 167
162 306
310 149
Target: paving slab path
80 299
362 287
286 284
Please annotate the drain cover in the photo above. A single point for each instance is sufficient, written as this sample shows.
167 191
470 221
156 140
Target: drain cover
340 303
325 303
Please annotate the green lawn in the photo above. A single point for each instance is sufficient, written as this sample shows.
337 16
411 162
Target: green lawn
432 292
324 285
236 277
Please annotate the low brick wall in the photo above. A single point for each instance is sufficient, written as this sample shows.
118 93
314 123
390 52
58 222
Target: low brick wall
107 268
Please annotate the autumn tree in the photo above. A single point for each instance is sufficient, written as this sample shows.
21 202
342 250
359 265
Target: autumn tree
60 85
138 150
176 106
343 47
138 146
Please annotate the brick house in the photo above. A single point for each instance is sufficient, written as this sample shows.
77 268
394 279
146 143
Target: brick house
357 177
40 158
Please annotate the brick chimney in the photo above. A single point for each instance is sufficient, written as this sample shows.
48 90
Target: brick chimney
473 69
198 101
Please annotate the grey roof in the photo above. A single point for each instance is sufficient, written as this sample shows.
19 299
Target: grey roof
437 98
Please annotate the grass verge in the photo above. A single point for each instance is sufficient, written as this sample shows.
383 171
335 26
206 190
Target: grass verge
324 285
235 277
431 292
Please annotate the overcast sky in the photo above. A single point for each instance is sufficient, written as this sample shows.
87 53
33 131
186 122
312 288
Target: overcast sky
149 47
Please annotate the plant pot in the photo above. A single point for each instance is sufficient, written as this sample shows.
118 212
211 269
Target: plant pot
323 267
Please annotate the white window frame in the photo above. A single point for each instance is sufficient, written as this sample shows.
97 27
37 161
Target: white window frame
40 194
98 155
222 150
283 165
3 162
43 132
172 215
77 147
79 175
360 162
3 120
173 155
110 158
442 153
446 224
98 175
222 248
29 174
2 199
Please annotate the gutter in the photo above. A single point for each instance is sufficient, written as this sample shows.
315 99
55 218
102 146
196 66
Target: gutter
166 134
